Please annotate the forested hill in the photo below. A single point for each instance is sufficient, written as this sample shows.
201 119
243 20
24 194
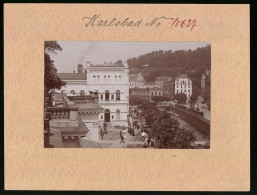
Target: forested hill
196 59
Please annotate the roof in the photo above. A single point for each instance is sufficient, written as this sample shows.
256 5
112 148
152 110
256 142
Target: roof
106 65
183 76
72 76
163 79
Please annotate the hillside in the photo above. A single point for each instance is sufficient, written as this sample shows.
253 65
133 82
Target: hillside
169 63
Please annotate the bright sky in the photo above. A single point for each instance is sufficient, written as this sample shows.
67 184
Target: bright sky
97 52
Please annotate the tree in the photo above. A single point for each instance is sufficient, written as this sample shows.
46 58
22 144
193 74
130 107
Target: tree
52 81
181 98
194 97
159 98
166 131
119 62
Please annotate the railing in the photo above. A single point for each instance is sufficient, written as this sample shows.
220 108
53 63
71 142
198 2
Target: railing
194 114
61 112
84 99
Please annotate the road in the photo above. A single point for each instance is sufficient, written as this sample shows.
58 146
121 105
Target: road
200 129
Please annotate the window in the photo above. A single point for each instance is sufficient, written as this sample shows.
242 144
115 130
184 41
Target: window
177 86
72 92
185 90
112 117
82 93
112 97
117 95
188 90
156 93
152 93
101 116
177 90
107 95
102 97
159 93
117 115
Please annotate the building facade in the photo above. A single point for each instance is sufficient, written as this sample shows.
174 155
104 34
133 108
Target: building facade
140 93
159 81
76 83
183 84
111 81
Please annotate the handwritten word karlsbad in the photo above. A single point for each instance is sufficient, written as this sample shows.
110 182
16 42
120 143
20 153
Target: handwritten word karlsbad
95 20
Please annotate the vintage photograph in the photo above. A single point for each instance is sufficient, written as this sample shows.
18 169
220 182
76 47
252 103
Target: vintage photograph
152 95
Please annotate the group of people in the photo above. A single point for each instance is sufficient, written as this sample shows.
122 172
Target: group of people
148 140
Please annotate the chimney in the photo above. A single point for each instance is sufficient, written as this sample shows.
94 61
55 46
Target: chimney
80 68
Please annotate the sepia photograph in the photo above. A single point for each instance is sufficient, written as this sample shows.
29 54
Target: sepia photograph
151 95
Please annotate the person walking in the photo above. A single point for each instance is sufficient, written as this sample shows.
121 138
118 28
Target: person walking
120 133
105 128
102 133
122 138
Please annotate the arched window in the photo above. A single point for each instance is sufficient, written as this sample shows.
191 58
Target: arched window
107 94
82 93
117 95
72 92
117 115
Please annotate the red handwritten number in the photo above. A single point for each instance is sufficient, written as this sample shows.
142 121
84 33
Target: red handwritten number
183 23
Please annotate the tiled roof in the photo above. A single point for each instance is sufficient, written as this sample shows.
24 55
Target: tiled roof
72 76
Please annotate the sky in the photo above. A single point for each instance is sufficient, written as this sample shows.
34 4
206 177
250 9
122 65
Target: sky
97 52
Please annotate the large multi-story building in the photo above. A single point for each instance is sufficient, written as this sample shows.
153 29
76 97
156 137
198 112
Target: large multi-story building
183 84
111 81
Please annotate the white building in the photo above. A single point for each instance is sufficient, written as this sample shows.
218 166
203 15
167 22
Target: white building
76 83
183 84
111 81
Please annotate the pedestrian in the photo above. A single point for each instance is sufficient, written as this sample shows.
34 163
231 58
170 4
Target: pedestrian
122 138
152 143
148 141
120 133
105 127
102 133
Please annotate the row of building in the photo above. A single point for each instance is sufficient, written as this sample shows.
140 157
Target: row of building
163 86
